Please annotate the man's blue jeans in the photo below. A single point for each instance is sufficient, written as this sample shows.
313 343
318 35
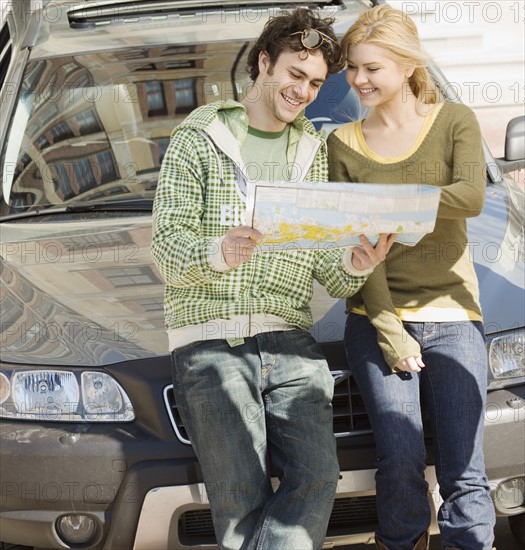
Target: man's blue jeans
266 401
453 385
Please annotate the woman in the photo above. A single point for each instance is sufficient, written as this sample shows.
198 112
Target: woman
416 325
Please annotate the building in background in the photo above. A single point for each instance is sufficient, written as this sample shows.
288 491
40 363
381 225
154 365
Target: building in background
480 46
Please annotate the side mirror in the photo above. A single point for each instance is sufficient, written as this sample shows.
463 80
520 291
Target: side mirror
514 146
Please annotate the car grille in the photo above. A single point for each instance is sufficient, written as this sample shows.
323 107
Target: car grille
350 417
349 516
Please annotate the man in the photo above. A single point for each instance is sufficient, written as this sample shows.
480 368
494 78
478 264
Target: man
251 383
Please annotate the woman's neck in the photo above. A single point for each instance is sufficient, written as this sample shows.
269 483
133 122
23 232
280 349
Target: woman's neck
395 115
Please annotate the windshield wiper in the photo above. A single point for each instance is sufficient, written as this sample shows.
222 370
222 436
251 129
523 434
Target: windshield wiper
138 203
32 213
135 204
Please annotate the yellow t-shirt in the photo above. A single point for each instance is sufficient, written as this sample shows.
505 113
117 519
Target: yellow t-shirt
352 135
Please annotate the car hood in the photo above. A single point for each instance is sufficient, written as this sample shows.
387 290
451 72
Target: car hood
496 245
86 292
80 292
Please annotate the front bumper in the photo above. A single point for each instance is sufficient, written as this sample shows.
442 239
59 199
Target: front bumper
102 471
142 486
504 447
165 519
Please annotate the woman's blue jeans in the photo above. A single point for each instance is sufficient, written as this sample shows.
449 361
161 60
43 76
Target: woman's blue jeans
453 385
265 401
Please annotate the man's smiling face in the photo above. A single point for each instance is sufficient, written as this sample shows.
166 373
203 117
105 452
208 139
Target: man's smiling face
289 86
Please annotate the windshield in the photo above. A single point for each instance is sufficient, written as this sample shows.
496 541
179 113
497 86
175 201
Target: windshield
96 126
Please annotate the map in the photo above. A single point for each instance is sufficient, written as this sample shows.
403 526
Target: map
307 215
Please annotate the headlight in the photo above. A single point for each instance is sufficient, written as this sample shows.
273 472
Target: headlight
63 396
4 387
506 359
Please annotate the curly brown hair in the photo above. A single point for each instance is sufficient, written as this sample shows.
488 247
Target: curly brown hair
278 36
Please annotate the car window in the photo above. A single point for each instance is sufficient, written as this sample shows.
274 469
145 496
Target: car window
96 126
5 52
335 104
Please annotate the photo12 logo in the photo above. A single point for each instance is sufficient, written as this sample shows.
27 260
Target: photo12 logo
465 12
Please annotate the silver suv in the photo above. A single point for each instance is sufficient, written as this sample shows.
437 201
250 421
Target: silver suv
93 453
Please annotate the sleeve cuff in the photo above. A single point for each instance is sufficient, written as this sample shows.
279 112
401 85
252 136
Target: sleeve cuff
349 267
215 256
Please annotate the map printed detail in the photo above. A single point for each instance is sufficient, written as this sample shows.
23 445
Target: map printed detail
309 215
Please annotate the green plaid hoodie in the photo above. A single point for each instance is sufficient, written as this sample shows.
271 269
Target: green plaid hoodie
200 195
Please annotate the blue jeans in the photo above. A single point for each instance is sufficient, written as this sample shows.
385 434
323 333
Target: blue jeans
265 401
453 385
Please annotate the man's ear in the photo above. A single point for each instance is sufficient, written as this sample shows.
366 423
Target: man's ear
264 62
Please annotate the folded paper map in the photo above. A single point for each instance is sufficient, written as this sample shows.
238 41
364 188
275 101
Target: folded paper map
309 215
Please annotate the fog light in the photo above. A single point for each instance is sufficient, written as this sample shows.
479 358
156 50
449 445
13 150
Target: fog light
511 494
76 529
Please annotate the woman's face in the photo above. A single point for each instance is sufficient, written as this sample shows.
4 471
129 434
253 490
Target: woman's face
377 79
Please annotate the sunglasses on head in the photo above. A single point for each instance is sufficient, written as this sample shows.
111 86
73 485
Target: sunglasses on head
312 39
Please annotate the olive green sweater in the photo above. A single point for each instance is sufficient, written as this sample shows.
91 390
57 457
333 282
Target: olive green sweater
435 279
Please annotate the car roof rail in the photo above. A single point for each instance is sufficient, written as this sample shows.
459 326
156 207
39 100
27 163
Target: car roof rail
104 13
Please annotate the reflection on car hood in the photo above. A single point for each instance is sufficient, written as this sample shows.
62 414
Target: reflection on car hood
496 245
80 292
86 292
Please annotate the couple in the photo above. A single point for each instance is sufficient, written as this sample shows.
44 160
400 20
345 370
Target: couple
251 383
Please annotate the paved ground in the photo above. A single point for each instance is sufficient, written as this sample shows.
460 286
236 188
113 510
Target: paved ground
504 539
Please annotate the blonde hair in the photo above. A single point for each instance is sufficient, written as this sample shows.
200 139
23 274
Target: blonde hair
394 31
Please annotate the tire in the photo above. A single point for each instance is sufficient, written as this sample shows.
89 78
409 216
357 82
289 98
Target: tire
517 527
